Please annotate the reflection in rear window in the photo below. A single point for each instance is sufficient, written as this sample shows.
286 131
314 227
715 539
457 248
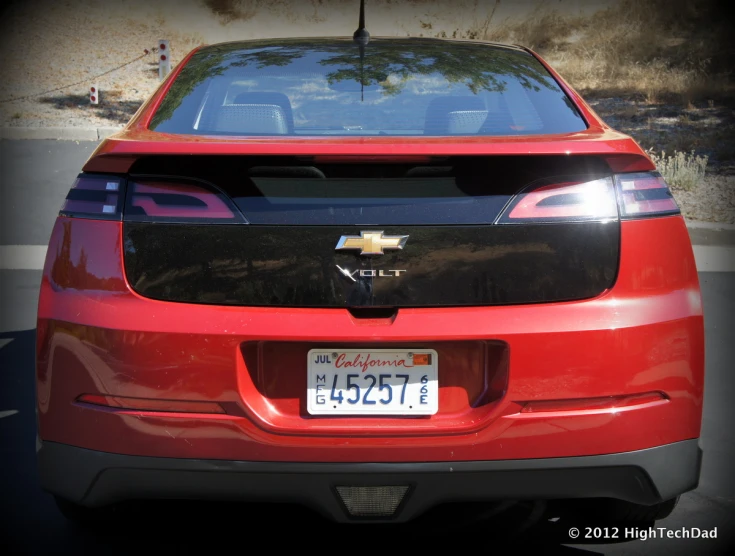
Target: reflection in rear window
402 87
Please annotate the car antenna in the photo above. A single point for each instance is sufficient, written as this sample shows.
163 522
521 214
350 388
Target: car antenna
361 37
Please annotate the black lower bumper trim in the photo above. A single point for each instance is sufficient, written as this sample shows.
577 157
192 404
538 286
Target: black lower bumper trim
96 478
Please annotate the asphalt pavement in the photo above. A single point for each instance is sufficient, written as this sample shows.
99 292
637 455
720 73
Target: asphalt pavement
34 179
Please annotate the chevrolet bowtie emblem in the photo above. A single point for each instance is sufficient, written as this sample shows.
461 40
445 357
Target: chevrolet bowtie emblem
371 243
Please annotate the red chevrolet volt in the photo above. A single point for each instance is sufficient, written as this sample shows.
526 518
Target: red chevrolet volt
371 278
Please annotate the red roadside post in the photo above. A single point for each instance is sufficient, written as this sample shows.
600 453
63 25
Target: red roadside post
164 59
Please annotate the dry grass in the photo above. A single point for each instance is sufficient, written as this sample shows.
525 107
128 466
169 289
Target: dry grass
655 50
230 10
680 170
543 29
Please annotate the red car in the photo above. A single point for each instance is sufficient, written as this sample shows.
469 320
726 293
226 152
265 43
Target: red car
370 278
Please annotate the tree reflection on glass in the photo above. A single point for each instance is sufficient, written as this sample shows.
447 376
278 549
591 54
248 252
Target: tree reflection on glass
388 67
480 68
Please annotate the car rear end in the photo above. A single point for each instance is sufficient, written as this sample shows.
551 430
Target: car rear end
260 293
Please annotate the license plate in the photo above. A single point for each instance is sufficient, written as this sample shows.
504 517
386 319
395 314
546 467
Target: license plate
372 382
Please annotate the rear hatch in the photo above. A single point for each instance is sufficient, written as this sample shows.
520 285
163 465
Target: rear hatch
404 173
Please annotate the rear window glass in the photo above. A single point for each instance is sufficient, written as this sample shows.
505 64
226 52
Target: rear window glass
390 87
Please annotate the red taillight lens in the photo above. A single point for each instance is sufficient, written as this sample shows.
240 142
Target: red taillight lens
644 194
169 201
563 201
94 196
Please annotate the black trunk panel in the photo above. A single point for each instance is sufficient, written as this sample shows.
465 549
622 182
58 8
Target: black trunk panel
296 266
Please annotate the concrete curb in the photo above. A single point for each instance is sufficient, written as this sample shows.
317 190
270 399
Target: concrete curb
715 226
58 133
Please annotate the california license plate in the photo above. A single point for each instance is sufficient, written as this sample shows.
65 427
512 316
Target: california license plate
372 382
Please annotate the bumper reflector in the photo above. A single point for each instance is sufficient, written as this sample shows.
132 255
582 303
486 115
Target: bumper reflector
610 403
372 501
143 404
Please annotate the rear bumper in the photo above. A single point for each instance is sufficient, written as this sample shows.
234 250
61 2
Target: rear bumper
644 476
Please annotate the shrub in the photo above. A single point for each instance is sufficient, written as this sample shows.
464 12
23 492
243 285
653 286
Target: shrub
680 170
230 10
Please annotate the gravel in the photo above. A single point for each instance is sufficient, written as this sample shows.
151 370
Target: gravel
44 49
712 200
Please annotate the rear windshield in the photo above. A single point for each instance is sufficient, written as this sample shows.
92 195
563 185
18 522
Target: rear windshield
402 87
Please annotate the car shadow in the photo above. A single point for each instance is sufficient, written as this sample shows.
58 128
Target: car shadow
187 527
110 106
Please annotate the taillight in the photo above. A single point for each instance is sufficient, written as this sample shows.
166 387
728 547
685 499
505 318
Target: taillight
155 199
95 196
644 194
568 201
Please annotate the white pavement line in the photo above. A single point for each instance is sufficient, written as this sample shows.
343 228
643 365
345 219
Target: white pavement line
8 413
5 341
22 257
714 258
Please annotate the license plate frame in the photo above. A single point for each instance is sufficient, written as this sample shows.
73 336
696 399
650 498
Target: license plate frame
418 395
